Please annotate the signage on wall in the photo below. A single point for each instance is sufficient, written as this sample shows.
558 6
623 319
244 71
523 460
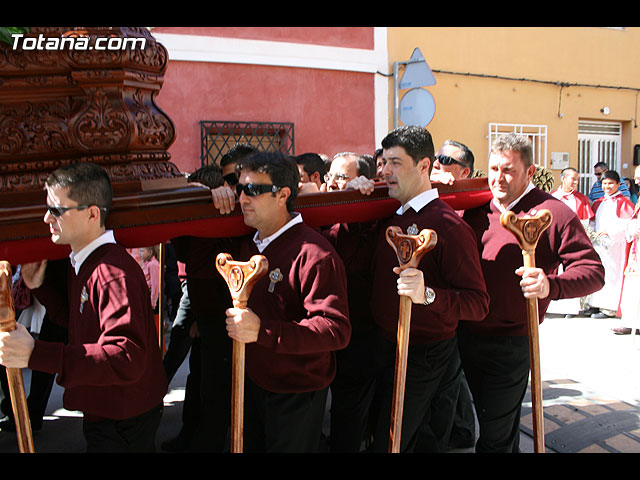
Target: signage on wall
417 106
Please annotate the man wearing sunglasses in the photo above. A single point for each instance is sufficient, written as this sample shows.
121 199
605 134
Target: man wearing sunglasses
230 159
596 189
111 368
453 161
297 315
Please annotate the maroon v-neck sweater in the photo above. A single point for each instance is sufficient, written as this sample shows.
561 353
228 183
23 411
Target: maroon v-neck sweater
112 365
452 269
564 242
304 319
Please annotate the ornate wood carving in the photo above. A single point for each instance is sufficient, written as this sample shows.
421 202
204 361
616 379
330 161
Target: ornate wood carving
69 105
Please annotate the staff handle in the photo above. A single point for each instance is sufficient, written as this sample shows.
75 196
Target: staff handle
409 250
527 231
240 278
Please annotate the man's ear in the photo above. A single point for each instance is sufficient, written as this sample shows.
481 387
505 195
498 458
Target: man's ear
283 195
315 178
94 214
424 164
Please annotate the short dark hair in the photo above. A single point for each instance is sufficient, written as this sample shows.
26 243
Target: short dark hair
236 153
365 166
209 175
312 163
601 165
467 155
612 175
416 141
280 167
87 184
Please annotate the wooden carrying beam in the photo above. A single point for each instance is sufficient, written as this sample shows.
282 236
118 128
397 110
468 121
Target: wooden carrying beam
143 215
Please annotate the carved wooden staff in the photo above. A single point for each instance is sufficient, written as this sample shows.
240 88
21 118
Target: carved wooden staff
527 231
240 278
409 250
14 375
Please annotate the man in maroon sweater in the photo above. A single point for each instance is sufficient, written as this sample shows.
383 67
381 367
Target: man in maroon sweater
111 368
296 317
495 352
447 287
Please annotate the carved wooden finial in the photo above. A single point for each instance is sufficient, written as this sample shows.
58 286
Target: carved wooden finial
410 248
527 229
241 276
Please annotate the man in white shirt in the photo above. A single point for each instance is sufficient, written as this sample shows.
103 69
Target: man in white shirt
447 286
111 368
567 192
297 315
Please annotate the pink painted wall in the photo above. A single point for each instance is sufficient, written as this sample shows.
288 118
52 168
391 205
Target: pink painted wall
350 37
332 111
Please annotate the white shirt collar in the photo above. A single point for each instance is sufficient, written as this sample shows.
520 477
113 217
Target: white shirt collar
611 197
77 258
419 201
296 218
530 187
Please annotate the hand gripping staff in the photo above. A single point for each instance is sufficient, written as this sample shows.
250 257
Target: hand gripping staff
527 231
14 375
240 278
409 250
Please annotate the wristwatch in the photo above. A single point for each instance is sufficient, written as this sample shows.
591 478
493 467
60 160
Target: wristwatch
429 296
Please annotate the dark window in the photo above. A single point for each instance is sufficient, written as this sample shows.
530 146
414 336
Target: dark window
217 137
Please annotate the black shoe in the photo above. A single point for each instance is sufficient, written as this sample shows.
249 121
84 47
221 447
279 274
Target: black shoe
588 312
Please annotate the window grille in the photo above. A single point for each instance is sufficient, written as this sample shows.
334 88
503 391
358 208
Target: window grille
536 133
218 136
597 142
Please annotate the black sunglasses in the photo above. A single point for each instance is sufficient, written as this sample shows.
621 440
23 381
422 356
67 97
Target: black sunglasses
255 189
231 178
446 160
58 211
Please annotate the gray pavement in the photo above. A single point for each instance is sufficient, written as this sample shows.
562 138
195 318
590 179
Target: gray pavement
591 395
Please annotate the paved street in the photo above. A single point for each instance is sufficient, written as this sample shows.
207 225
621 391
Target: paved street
591 395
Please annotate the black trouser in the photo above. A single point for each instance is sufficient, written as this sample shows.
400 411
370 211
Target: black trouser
497 370
131 435
451 412
179 338
215 349
283 422
352 392
426 365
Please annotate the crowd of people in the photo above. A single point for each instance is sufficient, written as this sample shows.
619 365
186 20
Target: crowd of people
609 214
320 328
